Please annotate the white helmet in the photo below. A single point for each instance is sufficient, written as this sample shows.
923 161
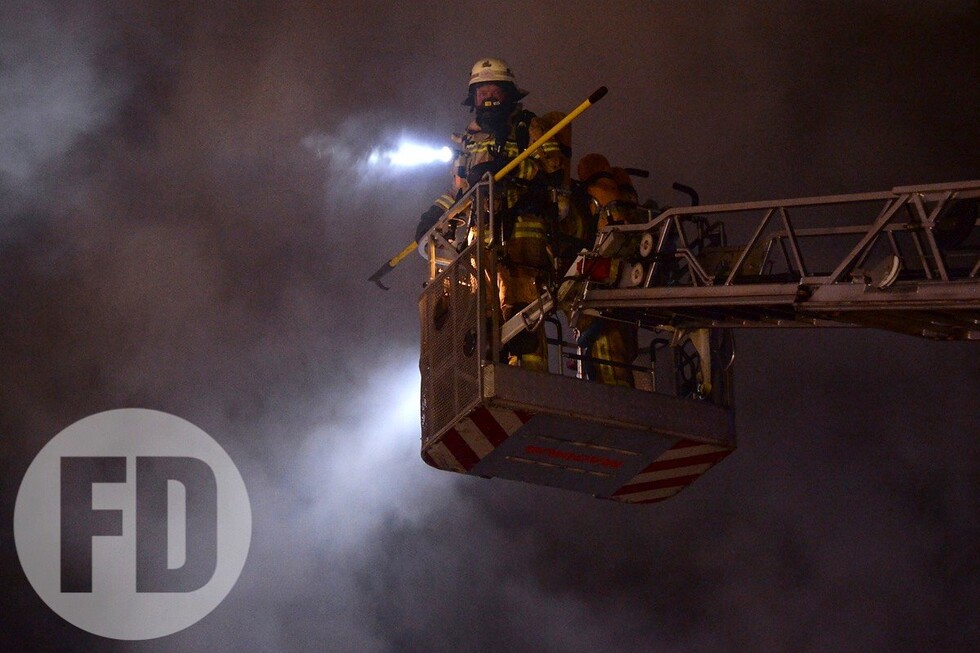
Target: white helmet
492 70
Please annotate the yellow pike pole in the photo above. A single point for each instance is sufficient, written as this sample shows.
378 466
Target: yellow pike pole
506 170
391 263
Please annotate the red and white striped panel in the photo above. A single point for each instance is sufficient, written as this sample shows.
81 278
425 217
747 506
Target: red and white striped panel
674 470
475 436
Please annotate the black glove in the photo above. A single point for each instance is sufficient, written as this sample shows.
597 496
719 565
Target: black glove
493 166
428 219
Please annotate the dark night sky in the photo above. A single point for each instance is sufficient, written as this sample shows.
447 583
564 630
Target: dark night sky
186 225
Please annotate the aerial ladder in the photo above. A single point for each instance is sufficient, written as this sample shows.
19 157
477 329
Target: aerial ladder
905 260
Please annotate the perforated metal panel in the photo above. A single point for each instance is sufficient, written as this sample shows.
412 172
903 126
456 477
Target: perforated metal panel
450 362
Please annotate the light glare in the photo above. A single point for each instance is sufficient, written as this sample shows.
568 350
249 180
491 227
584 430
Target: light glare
410 154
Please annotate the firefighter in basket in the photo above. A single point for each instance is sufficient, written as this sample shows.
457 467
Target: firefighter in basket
608 347
500 130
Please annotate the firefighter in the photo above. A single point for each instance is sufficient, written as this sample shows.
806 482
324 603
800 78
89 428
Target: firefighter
500 130
613 198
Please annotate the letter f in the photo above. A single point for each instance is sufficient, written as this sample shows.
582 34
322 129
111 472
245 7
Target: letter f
79 521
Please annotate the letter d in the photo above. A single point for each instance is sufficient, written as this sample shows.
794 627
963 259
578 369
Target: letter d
153 473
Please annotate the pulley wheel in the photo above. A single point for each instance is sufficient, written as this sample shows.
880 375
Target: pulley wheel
646 245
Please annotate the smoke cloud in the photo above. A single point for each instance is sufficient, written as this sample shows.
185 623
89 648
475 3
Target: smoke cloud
181 231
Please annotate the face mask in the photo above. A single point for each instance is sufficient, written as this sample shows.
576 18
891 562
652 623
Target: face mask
493 118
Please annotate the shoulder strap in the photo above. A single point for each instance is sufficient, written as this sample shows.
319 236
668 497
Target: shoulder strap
522 129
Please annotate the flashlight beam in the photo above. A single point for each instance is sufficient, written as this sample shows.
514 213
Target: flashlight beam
409 154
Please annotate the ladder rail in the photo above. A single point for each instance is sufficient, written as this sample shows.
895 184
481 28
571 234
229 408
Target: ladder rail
910 276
